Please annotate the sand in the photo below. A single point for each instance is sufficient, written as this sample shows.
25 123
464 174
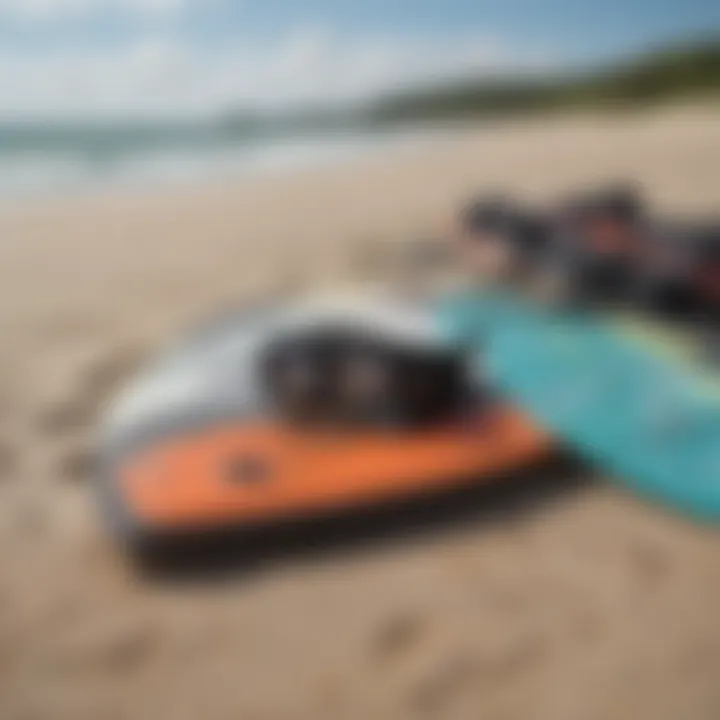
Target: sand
592 605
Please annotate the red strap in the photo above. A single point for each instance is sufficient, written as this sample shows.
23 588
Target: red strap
709 281
608 238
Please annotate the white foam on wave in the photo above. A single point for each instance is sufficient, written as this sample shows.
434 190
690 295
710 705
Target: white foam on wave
68 172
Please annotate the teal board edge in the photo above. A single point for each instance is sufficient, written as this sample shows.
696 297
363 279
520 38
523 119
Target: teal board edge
648 417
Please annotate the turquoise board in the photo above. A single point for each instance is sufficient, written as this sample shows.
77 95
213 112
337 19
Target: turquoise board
635 399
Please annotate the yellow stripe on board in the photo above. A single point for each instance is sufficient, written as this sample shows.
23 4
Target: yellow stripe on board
678 348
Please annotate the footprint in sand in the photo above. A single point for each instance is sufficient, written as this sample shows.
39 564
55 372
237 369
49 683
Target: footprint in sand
69 328
456 672
369 260
435 692
8 460
78 462
290 283
108 645
99 380
68 423
107 373
398 637
66 415
650 564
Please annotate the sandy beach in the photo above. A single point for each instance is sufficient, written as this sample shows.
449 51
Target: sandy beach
592 606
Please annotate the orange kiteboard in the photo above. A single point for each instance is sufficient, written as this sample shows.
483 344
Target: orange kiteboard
193 447
261 474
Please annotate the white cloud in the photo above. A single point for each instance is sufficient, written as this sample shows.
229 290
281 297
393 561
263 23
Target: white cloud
50 11
168 77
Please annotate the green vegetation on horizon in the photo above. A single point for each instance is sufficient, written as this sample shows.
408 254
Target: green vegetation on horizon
680 71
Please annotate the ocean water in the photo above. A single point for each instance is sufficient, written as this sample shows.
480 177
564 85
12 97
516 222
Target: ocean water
48 161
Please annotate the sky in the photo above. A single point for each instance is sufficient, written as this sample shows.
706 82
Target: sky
122 59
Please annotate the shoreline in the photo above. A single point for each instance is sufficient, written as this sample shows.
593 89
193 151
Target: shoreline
356 149
185 169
